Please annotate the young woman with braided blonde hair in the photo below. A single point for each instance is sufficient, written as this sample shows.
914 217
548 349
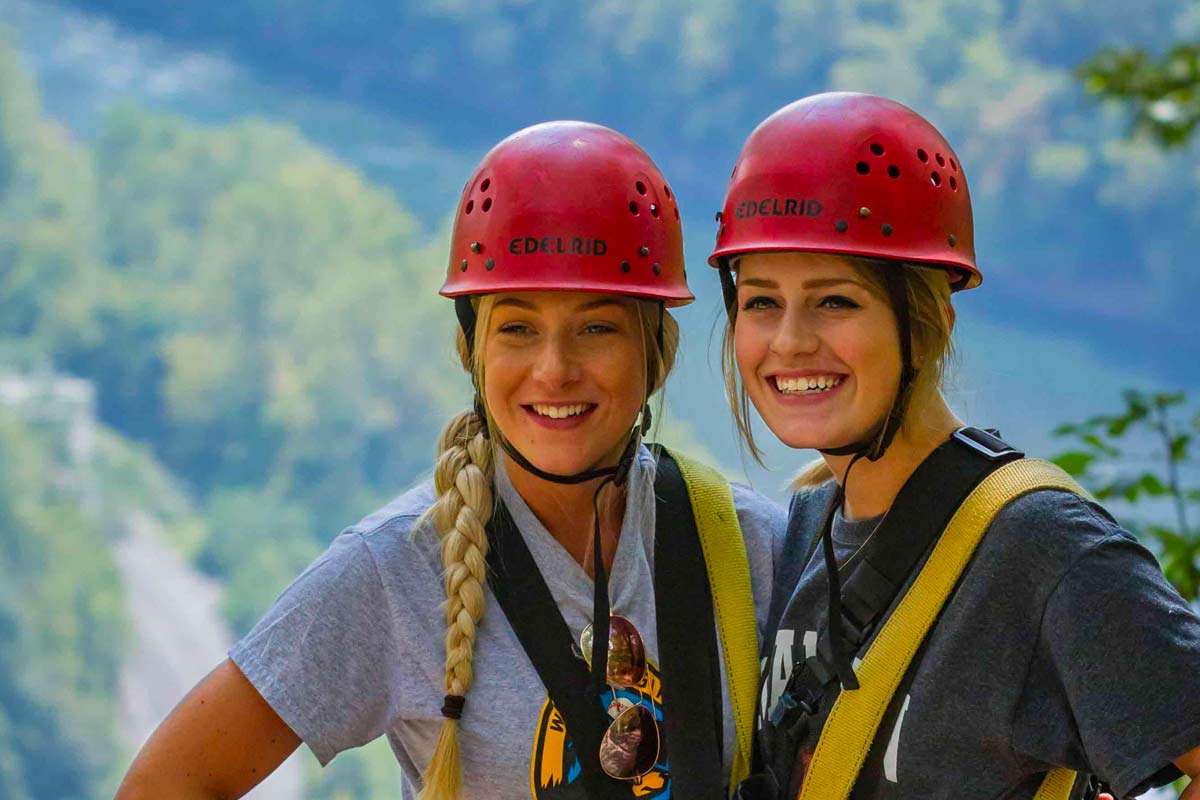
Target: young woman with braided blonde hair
460 620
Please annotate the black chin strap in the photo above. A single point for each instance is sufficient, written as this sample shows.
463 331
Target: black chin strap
616 475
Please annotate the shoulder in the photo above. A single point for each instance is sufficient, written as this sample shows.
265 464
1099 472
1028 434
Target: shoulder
1055 525
395 536
756 512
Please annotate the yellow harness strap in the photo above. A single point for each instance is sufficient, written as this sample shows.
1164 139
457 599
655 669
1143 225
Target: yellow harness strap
733 600
848 733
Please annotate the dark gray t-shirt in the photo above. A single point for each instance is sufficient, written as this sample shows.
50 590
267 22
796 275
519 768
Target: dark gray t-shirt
1062 645
354 648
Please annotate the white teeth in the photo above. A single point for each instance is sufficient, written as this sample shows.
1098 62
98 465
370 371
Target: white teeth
818 383
559 412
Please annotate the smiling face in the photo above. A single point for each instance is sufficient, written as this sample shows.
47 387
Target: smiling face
817 347
564 376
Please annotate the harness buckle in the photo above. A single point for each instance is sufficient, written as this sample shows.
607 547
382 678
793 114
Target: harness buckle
987 444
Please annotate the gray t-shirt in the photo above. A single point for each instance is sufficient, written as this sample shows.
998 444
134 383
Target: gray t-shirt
353 649
1062 645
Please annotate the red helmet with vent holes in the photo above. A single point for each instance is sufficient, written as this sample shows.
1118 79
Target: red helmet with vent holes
568 206
852 174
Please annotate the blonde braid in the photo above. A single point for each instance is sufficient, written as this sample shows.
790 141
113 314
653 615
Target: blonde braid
463 479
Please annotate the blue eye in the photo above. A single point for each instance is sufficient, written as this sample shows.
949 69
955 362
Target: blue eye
599 328
758 302
515 328
838 301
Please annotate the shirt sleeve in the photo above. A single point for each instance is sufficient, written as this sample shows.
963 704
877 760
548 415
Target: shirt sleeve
1114 684
763 524
321 656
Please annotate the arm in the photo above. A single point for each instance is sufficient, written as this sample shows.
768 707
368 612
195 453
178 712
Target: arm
219 742
1189 764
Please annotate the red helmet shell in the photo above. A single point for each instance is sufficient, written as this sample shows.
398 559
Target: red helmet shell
568 206
851 174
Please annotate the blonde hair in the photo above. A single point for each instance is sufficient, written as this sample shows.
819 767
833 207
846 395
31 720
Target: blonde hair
464 479
931 320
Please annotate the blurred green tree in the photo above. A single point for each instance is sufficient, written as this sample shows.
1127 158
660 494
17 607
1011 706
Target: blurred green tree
1163 92
61 627
1149 433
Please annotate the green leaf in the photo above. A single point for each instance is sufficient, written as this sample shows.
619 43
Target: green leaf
1151 485
1179 447
1074 463
1118 425
1067 429
1166 400
1102 446
1193 495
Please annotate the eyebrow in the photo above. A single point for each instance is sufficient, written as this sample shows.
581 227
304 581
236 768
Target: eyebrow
815 283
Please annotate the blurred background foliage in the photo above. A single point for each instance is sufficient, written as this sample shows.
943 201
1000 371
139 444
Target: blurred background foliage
228 321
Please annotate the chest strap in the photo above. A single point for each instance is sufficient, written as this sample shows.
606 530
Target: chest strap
701 577
856 715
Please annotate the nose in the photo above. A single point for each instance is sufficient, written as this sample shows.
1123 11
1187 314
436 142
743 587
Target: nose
556 363
796 334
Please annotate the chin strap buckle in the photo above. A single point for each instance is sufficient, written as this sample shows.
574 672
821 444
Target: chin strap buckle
987 443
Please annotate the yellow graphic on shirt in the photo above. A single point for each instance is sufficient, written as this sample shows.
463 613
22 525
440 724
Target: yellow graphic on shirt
554 770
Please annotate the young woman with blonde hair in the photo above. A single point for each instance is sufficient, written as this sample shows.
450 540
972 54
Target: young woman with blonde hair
457 620
1042 657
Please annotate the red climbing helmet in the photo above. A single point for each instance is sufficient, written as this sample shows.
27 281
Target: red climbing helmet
568 206
853 174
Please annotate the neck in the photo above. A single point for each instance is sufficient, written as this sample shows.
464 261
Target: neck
567 512
874 485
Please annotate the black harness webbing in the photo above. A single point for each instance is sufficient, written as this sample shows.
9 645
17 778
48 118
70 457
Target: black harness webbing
530 609
916 518
687 642
691 678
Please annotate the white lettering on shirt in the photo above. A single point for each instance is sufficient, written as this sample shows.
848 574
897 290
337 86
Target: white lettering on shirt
893 749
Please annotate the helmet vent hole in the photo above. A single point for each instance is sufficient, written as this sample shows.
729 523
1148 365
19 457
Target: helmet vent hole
893 171
641 187
953 165
654 210
470 207
921 154
625 266
487 184
677 212
633 207
941 161
657 268
667 191
886 229
953 183
877 148
487 204
863 167
935 179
